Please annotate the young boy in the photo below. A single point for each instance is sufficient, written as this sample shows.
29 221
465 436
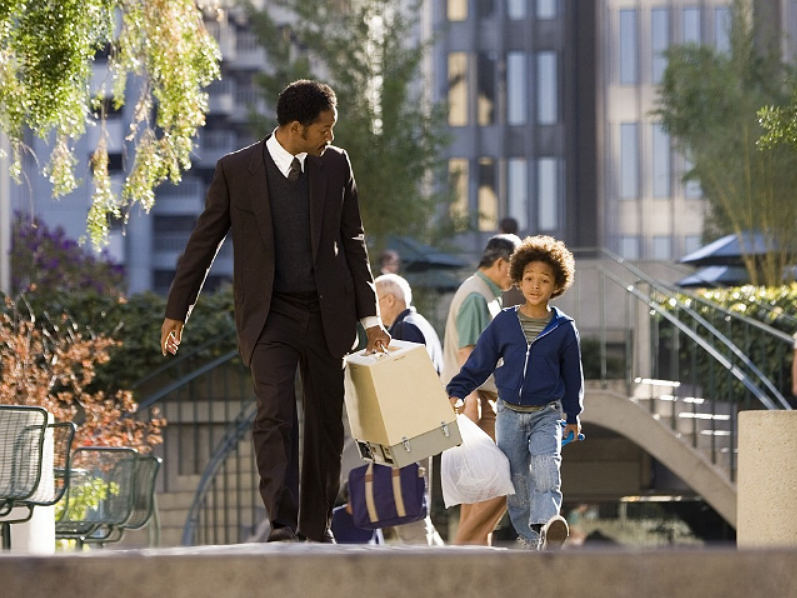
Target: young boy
539 378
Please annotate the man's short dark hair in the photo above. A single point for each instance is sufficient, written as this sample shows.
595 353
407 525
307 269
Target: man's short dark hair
498 247
304 101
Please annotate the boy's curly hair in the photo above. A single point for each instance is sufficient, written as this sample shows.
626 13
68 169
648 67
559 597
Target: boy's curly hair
542 248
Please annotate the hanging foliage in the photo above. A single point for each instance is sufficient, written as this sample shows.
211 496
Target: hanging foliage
48 49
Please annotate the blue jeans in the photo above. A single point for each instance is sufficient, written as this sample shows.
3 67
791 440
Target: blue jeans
533 444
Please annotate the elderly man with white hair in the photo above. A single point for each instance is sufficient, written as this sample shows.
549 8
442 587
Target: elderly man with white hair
402 319
406 324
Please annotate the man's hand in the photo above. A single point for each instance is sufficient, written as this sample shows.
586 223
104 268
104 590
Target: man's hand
378 339
171 334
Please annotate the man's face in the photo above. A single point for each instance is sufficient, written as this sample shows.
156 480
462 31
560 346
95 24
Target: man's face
315 138
504 279
389 306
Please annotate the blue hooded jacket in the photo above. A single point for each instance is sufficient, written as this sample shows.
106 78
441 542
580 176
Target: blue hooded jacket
547 369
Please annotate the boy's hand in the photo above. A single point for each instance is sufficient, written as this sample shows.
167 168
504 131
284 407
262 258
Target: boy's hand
575 429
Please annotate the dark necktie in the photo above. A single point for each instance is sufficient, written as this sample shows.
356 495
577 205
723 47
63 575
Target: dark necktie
295 171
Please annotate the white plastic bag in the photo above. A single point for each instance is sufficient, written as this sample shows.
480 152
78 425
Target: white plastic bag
474 471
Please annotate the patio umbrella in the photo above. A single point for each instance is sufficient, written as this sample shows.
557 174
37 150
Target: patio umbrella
727 251
716 276
420 257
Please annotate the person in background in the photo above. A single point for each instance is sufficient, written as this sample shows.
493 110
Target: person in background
476 302
534 352
389 262
406 324
399 315
513 296
302 281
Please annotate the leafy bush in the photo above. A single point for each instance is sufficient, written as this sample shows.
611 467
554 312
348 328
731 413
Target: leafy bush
772 355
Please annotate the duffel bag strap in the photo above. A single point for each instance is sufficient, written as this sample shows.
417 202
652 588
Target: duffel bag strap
398 497
370 504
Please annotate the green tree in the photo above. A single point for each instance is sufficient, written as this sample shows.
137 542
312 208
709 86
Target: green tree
709 102
47 51
369 53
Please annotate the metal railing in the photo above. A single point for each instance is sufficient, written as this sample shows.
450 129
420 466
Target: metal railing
681 355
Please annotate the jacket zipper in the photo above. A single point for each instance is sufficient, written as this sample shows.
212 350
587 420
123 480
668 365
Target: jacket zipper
528 352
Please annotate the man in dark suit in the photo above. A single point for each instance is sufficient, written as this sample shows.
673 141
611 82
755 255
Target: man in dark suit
301 280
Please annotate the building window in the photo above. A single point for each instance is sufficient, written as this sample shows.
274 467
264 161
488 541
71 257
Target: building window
485 102
691 243
162 281
662 248
692 188
661 162
173 224
692 25
516 9
488 195
517 191
629 247
458 89
547 194
458 172
457 10
116 162
547 89
516 98
629 161
628 48
659 42
547 9
485 9
722 29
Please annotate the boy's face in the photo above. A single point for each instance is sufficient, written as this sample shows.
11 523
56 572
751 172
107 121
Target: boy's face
538 284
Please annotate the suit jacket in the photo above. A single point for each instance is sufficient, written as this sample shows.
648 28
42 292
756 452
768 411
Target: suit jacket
238 201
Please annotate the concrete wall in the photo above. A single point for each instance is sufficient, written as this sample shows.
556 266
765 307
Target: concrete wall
301 570
767 505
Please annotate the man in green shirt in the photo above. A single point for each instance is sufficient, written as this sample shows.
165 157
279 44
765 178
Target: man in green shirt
474 305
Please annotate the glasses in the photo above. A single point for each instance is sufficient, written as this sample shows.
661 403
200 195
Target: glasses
382 297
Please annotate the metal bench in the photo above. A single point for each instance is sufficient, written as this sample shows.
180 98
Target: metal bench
34 462
112 491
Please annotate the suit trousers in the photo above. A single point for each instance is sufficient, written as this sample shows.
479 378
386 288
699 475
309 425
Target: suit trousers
477 521
292 337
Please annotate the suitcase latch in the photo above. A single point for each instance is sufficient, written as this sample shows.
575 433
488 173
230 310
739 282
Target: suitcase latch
444 427
406 442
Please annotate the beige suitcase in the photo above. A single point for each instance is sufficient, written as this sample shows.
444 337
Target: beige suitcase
398 409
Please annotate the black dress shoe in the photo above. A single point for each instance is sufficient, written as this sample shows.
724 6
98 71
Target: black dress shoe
326 538
282 534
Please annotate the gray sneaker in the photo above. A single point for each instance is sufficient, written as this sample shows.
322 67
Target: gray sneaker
524 544
554 533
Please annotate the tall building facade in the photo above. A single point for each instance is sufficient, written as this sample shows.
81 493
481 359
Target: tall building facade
648 213
519 80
